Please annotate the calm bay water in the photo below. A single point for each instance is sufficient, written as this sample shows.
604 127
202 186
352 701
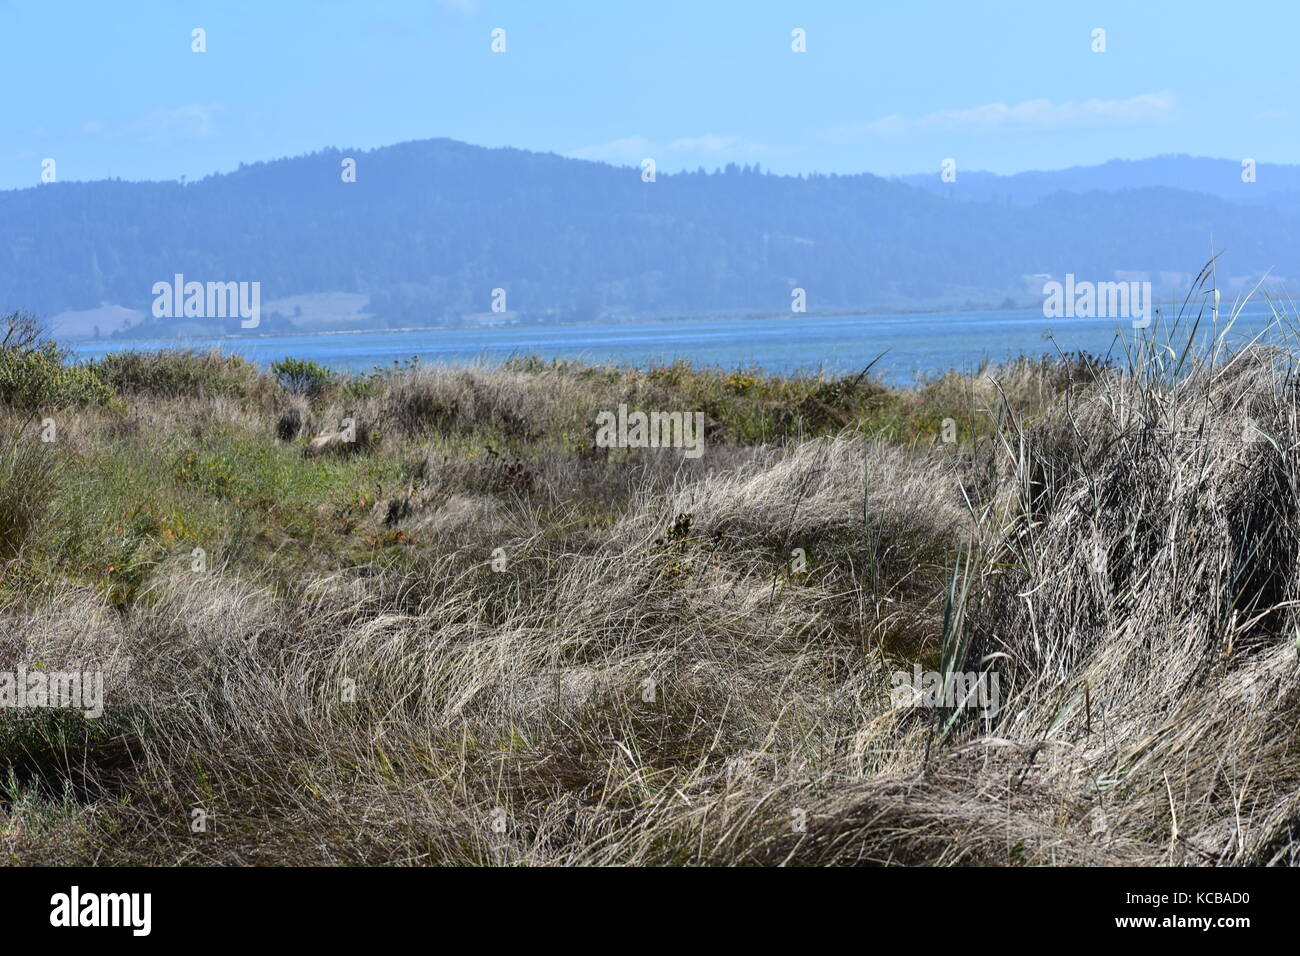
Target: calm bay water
915 344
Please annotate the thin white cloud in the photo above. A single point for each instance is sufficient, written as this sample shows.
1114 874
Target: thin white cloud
633 149
714 144
165 125
1031 114
464 7
628 149
192 121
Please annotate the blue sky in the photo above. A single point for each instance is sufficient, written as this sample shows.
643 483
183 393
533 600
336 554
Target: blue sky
113 89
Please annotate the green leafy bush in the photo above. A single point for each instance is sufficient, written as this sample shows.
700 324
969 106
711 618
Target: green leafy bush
301 376
35 373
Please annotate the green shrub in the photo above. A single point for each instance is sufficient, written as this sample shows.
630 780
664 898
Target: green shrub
360 387
301 376
35 374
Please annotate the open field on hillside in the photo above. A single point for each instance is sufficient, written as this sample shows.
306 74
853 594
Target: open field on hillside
464 632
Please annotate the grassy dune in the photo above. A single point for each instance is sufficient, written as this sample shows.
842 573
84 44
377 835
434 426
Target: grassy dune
471 636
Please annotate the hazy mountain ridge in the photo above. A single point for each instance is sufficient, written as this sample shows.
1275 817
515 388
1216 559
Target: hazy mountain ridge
431 227
1215 177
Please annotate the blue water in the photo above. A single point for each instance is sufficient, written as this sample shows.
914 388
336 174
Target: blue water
914 344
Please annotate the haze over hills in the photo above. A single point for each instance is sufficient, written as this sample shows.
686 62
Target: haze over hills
1216 177
430 228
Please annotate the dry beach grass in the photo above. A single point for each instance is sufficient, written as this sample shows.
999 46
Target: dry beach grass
648 675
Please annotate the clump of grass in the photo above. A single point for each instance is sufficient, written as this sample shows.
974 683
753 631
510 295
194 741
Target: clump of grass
180 373
29 475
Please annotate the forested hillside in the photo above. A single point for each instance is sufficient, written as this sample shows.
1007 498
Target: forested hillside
430 228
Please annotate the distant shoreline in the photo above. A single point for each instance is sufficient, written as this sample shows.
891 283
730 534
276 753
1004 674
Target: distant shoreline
876 312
